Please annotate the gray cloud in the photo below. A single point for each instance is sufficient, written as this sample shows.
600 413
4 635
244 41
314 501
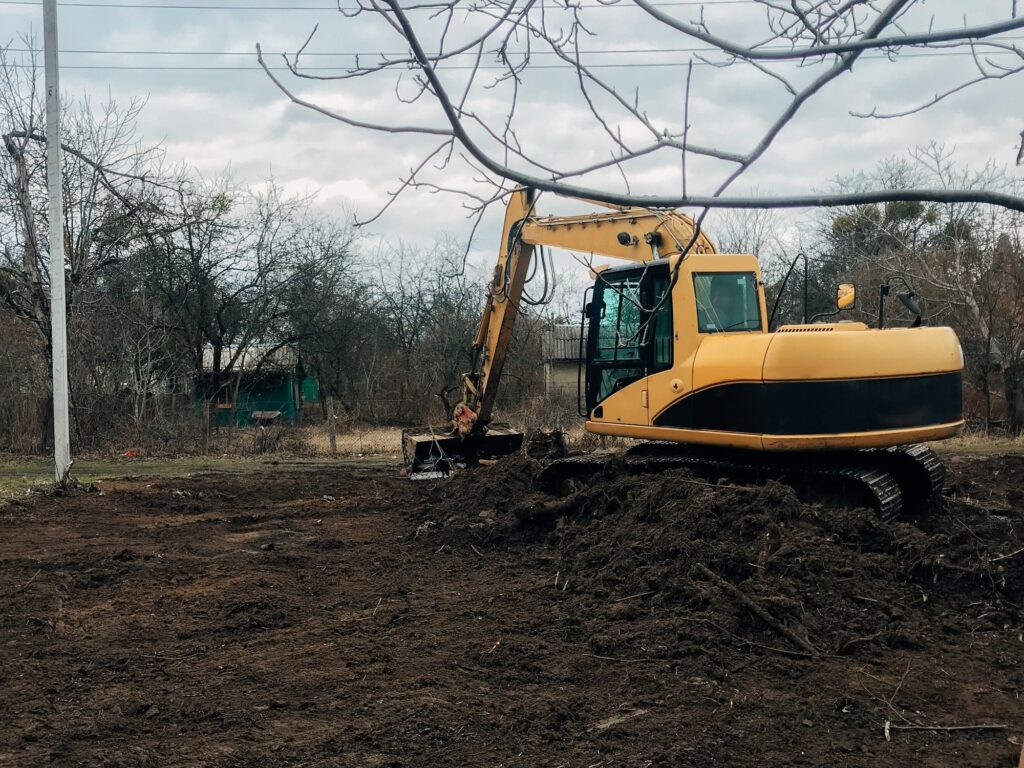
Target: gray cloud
216 119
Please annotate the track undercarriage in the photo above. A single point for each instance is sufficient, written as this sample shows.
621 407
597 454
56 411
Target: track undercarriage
899 482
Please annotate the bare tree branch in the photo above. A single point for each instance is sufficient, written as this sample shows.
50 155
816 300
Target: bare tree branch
864 44
825 37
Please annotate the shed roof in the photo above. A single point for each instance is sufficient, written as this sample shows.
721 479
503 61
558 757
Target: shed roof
561 342
256 356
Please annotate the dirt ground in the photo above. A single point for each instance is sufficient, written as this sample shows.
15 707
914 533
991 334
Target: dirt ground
348 617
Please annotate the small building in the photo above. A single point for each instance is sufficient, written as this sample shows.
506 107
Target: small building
560 347
265 386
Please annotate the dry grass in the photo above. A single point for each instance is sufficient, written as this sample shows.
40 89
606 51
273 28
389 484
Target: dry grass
19 474
244 448
387 441
980 444
306 441
369 441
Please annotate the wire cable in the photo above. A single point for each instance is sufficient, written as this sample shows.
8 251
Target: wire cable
451 67
313 54
225 7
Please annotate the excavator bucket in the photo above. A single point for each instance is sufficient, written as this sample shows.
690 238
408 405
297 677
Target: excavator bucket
436 452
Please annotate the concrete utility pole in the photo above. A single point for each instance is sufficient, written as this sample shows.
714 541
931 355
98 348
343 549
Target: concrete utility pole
58 303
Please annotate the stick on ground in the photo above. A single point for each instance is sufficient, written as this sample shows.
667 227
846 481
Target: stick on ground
766 618
980 727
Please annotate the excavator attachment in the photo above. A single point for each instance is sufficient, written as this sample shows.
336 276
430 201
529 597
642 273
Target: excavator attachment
434 452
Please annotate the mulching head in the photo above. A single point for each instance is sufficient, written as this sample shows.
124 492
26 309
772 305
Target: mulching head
436 452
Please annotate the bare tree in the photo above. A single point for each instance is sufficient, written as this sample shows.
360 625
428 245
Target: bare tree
752 230
112 186
462 59
110 180
963 258
428 305
225 273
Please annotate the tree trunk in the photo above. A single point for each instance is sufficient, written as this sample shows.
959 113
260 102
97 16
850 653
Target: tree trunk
24 200
332 425
986 399
1013 387
234 408
206 425
45 422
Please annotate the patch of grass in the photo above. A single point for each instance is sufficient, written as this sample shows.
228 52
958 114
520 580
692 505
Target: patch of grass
367 441
298 447
979 444
19 474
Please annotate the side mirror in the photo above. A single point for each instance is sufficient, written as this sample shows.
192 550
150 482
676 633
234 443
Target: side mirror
846 296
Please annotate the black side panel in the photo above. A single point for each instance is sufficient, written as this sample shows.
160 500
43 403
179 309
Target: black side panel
820 407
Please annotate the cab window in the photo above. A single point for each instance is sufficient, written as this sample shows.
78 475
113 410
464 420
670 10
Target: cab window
727 302
619 325
617 356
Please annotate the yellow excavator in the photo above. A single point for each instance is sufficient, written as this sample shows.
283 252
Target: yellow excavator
676 352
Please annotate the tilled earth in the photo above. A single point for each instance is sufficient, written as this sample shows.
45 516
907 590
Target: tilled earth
349 617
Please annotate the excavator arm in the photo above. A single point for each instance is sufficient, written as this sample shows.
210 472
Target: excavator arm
630 234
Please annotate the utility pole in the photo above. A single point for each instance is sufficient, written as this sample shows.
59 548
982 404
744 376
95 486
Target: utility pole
58 302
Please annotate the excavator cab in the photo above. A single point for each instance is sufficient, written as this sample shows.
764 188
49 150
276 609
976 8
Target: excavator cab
631 326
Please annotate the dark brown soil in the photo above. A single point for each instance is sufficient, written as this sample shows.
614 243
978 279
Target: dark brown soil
352 618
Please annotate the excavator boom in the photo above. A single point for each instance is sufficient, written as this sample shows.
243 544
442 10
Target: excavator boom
630 234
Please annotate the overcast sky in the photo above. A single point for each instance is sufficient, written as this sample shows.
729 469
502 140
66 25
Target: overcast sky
215 118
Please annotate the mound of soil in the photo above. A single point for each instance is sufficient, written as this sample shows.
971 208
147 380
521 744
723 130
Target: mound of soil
744 565
481 502
725 565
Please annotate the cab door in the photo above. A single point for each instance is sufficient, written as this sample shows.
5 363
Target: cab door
670 356
614 346
630 337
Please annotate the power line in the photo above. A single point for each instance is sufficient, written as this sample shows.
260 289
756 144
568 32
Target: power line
404 54
566 66
257 67
190 7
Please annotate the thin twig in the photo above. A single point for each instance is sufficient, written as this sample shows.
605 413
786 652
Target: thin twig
625 661
980 727
26 585
1007 557
765 617
630 597
686 121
